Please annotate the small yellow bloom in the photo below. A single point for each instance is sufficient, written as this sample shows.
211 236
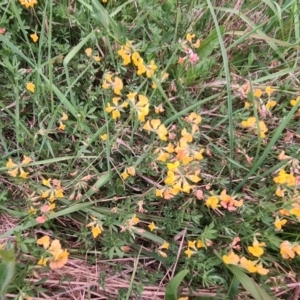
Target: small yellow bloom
270 104
247 104
200 244
23 174
191 244
158 193
13 173
152 226
103 137
10 164
258 93
279 223
61 126
28 3
269 90
295 101
155 126
231 259
34 37
30 87
46 182
256 248
88 51
212 202
96 58
189 252
163 254
43 261
165 245
135 219
64 117
189 37
26 160
96 230
45 241
131 171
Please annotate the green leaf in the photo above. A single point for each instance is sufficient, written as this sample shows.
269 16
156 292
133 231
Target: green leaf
7 270
172 287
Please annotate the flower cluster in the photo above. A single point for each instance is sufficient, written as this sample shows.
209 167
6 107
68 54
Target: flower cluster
187 45
130 171
129 55
228 202
288 250
193 246
58 257
50 193
28 3
258 127
255 266
17 169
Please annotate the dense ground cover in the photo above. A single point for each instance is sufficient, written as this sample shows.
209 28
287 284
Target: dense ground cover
144 139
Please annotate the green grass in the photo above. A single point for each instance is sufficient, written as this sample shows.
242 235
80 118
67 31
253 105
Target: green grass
242 49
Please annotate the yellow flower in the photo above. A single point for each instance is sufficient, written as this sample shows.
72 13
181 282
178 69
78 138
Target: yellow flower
155 126
10 164
28 3
159 109
115 110
116 83
32 210
253 267
125 52
46 182
256 248
45 241
23 174
135 219
158 193
189 252
270 104
136 59
258 93
152 226
247 104
249 122
295 101
191 244
64 117
212 202
60 258
279 223
96 58
231 259
200 244
165 245
193 118
34 37
141 107
286 250
96 230
30 87
13 173
189 37
26 160
285 178
61 126
103 137
131 171
269 90
88 51
43 261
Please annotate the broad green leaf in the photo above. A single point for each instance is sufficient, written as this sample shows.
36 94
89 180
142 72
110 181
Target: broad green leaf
173 285
7 270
